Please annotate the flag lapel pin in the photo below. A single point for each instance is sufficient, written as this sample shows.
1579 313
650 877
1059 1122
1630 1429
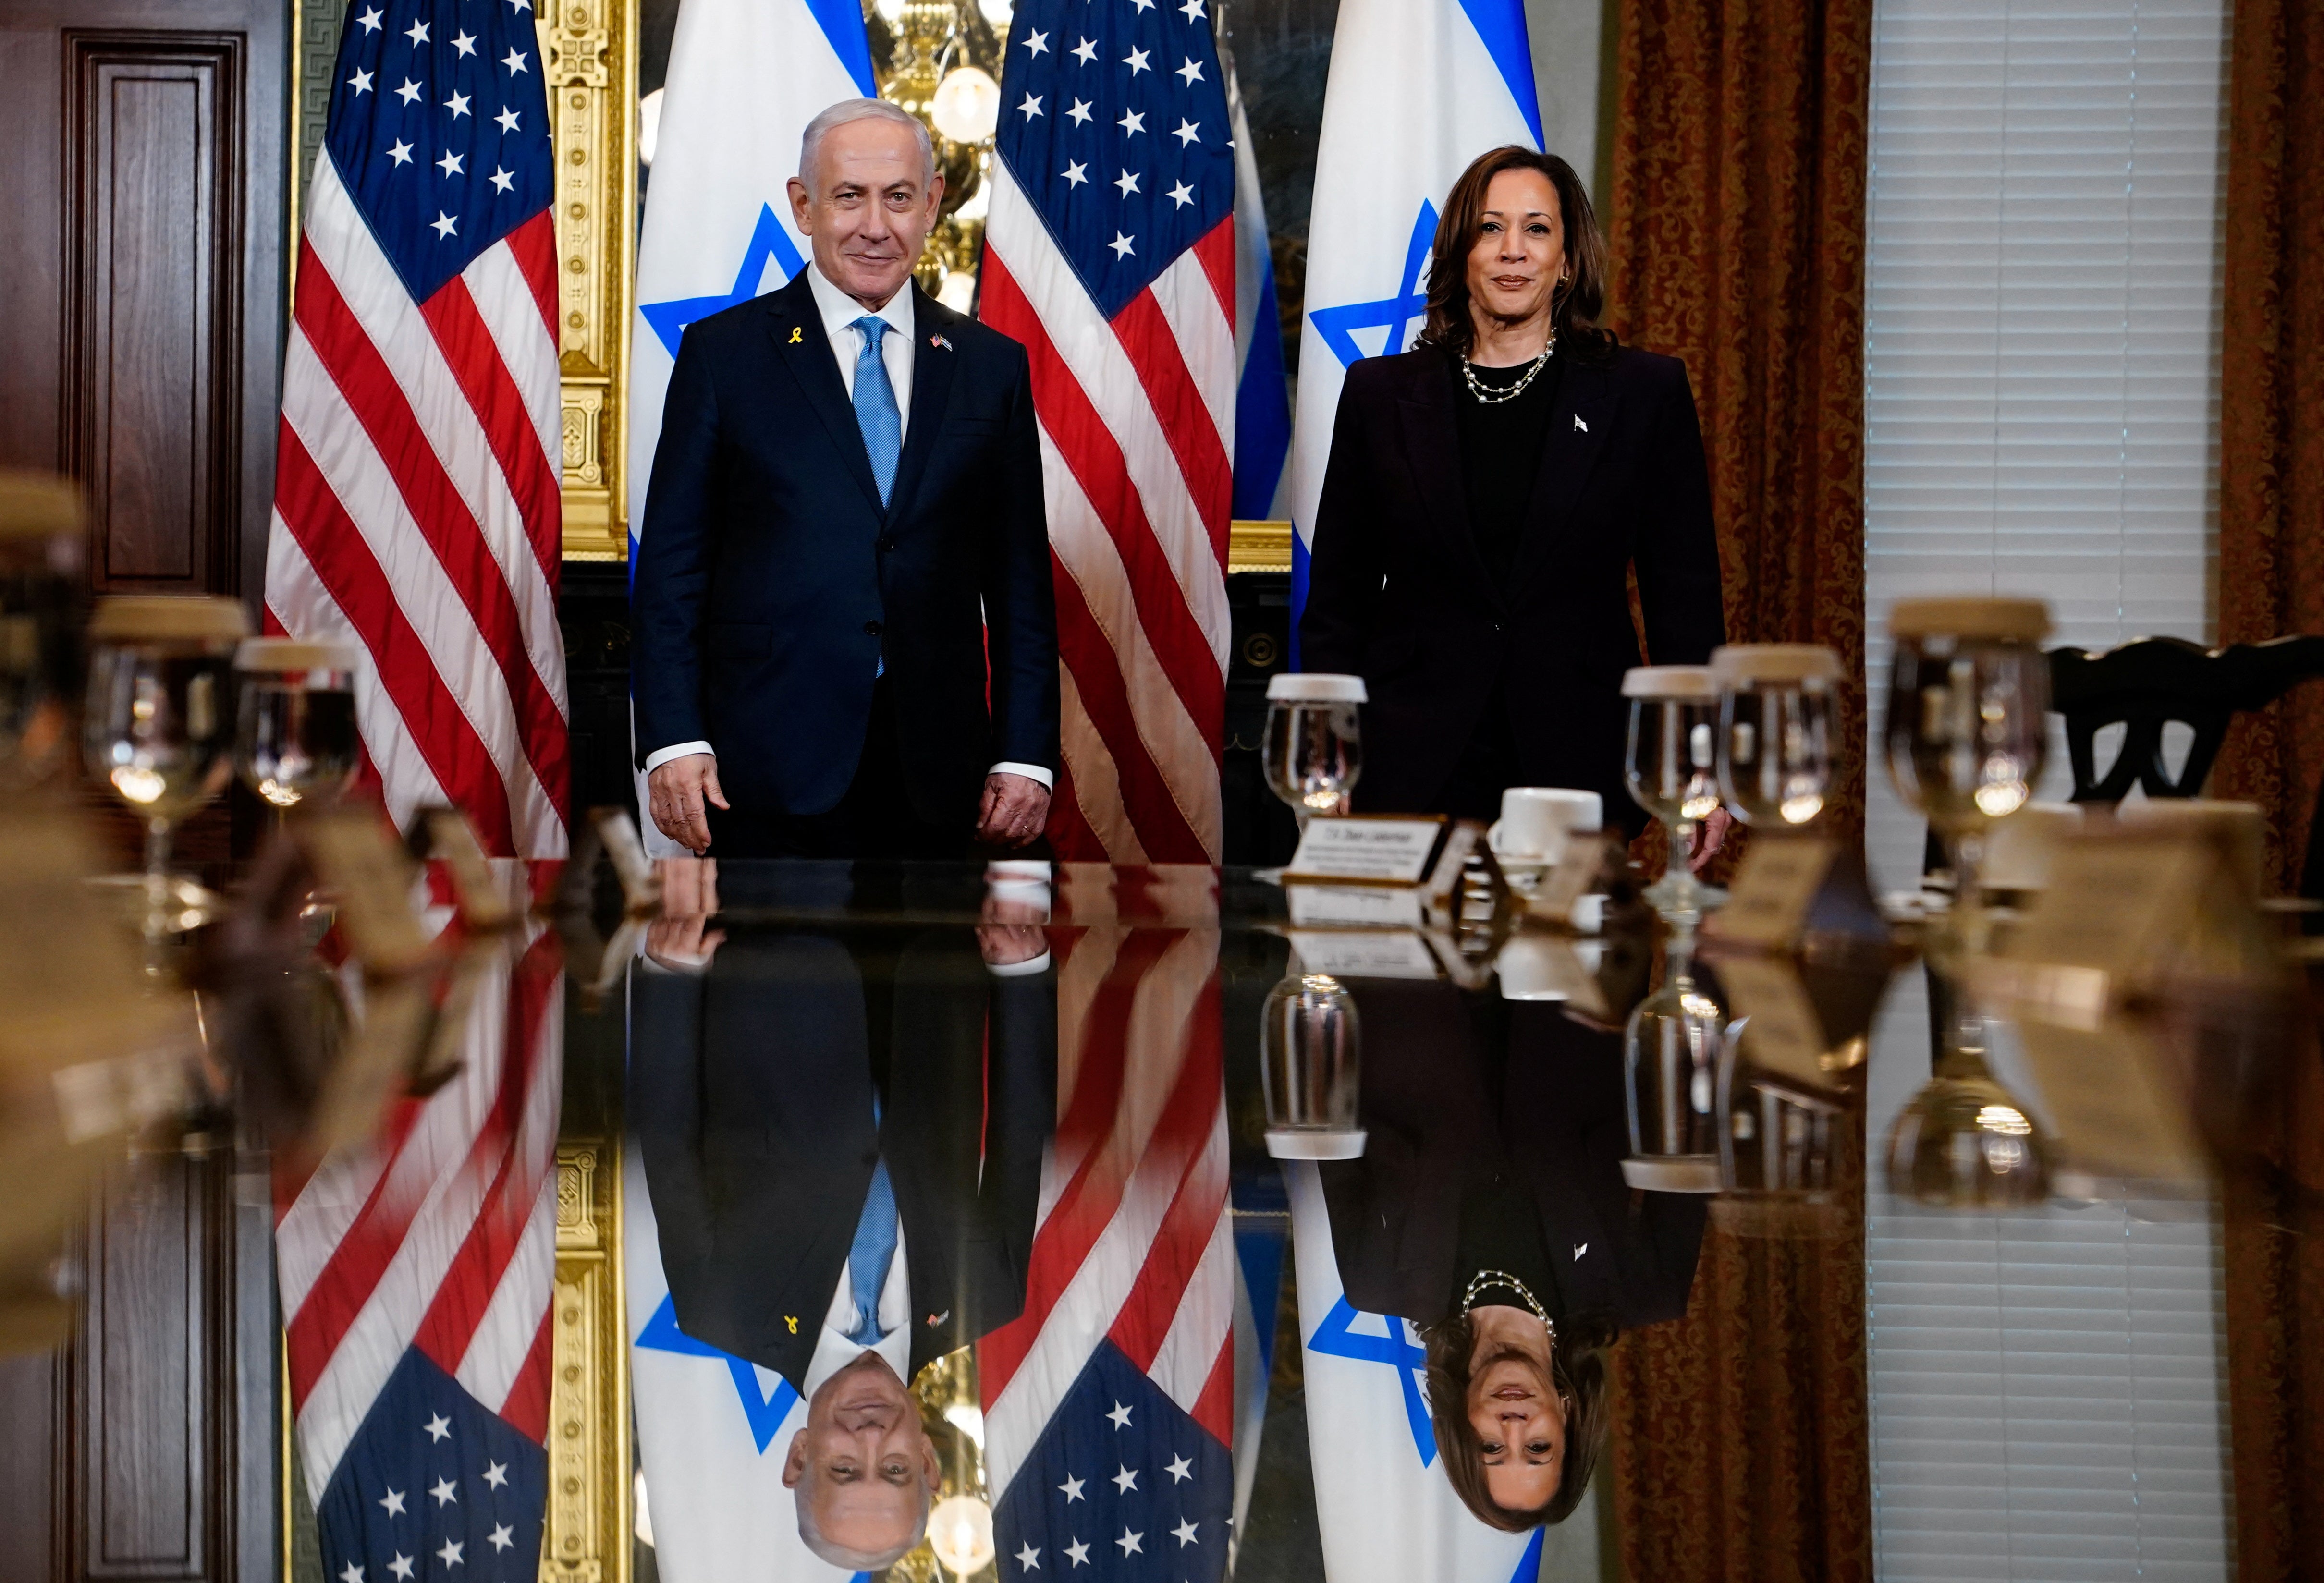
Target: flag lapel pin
1579 425
940 341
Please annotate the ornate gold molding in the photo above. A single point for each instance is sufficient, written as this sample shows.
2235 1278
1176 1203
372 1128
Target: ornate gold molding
591 50
1258 547
587 1539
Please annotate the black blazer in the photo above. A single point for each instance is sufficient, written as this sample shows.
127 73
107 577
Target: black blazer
1438 1121
751 1092
770 581
1398 593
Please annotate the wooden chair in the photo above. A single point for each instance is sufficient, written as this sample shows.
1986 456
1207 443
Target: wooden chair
2143 686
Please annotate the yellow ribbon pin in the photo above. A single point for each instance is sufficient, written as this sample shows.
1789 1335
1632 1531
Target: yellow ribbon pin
795 341
791 1320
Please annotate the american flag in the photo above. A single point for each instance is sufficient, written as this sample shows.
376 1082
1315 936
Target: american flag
1109 1402
416 505
416 1274
1110 253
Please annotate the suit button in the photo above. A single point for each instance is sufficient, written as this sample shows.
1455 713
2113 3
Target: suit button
871 628
886 545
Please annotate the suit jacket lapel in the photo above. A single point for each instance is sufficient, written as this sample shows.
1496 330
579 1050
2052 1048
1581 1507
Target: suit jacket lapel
932 370
801 347
1579 428
1432 444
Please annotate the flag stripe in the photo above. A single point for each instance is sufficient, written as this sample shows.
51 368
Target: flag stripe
439 512
501 287
1094 819
474 360
1205 336
533 244
1189 426
342 560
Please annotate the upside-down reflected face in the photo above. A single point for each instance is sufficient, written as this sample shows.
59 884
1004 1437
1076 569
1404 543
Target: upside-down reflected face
1519 1418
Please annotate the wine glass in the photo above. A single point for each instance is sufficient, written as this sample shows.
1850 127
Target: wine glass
1670 767
1672 1049
1314 741
1776 703
297 739
42 615
159 726
1310 1050
1966 736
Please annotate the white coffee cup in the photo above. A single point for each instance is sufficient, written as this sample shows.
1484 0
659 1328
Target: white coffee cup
1535 820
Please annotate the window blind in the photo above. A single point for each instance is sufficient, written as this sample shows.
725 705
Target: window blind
2042 405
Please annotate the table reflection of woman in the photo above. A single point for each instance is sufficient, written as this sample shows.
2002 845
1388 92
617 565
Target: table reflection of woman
1489 1209
1488 496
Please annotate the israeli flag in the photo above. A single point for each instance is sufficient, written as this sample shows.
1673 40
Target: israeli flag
1385 1507
711 1430
1418 88
1262 395
745 77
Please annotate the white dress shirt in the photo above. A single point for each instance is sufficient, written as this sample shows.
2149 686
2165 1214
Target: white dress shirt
897 348
834 1348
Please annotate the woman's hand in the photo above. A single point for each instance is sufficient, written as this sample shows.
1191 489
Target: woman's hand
1709 836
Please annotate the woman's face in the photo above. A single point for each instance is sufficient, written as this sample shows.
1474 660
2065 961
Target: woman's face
1520 248
1520 1423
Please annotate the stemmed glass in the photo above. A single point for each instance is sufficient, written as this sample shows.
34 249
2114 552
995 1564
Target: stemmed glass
159 726
1672 1049
1311 1046
1671 768
1777 703
1314 750
1966 736
297 739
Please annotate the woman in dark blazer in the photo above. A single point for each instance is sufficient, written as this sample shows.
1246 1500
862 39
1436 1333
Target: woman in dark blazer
1488 491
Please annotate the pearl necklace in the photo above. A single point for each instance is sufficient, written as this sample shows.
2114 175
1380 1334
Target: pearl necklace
1487 396
1488 1278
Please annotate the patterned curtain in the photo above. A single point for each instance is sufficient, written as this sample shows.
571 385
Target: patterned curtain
1736 220
2272 402
2272 582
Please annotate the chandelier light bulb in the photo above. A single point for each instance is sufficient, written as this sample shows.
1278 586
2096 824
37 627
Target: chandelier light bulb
997 13
960 1531
968 105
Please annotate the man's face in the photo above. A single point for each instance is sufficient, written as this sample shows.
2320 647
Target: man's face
864 1461
870 208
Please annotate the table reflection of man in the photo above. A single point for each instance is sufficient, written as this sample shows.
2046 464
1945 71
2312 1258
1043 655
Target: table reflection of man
1488 1209
842 1127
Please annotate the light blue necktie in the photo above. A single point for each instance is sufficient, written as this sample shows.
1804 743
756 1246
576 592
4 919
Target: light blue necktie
876 412
874 1246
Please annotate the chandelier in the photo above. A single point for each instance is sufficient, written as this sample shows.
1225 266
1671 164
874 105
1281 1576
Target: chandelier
940 60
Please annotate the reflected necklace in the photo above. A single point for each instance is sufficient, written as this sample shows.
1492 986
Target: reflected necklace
1487 396
1484 1279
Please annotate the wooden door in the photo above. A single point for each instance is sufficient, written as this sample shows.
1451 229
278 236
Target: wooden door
141 333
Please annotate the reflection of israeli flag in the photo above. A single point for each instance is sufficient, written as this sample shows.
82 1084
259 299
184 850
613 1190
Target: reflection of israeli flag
712 1433
1418 88
745 77
1383 1503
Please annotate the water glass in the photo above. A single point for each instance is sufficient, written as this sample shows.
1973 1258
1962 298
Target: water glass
1777 704
1672 770
297 742
1314 750
1311 1051
158 727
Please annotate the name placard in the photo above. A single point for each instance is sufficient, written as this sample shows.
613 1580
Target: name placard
1359 849
1353 906
1768 903
1781 1033
1365 953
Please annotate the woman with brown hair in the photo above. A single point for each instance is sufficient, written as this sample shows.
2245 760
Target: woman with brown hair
1490 494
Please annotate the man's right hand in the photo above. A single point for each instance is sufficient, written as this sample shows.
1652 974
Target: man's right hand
675 795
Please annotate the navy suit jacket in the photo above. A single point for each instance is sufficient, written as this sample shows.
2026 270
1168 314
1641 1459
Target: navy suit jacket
771 583
1399 594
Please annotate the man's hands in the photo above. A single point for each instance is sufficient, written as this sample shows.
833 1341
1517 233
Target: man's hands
677 791
689 900
1014 812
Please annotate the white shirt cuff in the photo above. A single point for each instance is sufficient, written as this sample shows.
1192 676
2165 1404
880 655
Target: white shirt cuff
661 756
1029 771
1018 970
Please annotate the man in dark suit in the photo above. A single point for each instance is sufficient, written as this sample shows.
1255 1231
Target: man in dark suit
843 1130
845 528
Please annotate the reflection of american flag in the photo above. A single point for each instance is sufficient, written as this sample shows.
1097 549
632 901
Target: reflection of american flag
1110 253
416 1275
416 501
1109 1402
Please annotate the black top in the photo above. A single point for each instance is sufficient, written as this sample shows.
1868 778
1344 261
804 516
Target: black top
1400 593
1500 1231
1501 453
